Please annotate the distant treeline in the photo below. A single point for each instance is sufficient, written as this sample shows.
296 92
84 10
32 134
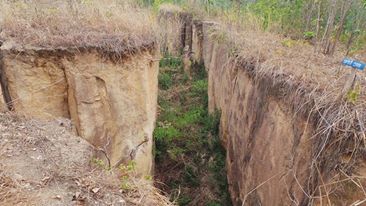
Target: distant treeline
329 23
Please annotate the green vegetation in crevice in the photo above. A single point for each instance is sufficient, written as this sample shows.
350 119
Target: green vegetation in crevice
190 161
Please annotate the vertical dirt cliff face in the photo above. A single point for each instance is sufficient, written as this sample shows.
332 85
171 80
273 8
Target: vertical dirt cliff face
112 104
176 30
3 107
266 146
197 41
36 84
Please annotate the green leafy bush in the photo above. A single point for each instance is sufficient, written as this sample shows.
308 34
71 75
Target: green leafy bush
171 62
165 81
190 117
200 87
309 35
166 133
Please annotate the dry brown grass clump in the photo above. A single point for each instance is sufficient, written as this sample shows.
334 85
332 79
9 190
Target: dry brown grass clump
170 8
111 25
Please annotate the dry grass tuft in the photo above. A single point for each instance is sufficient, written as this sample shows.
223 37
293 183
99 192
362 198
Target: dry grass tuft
114 26
171 8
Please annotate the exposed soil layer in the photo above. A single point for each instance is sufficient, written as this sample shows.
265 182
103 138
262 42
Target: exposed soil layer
91 62
110 99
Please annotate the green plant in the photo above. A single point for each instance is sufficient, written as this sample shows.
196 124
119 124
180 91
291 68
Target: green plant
171 62
308 35
165 81
175 152
148 177
199 72
99 163
213 203
166 133
186 136
288 43
192 116
199 87
126 171
191 176
184 200
353 94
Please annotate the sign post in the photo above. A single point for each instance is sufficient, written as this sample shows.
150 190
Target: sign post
357 65
354 64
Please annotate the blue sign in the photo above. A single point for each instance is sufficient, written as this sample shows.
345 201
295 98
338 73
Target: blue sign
354 64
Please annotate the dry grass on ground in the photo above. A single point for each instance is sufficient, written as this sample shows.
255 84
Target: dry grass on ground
111 25
42 163
166 7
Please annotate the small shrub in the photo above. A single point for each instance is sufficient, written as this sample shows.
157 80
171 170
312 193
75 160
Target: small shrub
199 87
166 133
99 163
213 203
353 95
175 152
212 122
192 116
191 177
148 177
164 137
165 81
288 43
125 183
199 72
126 171
169 115
171 62
184 200
308 35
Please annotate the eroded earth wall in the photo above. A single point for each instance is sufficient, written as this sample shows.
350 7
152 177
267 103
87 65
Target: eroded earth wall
112 103
272 142
3 107
176 31
267 153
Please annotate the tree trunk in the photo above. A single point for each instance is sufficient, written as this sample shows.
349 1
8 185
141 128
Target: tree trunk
309 14
345 8
326 40
317 32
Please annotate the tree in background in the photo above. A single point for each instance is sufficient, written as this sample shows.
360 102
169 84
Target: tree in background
327 23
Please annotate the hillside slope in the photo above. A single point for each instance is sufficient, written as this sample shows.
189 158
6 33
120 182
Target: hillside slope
42 163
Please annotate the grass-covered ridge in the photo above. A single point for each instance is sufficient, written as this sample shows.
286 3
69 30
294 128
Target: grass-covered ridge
190 161
112 25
